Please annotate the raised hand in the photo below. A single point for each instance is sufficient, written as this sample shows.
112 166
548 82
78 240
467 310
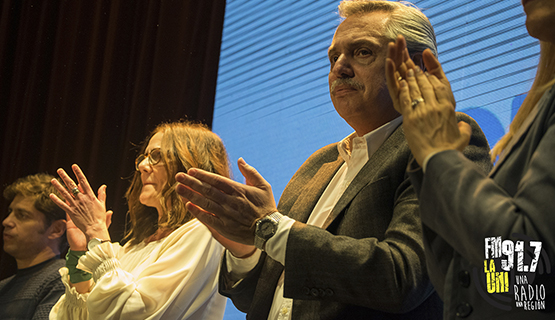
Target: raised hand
398 54
228 207
76 238
426 102
86 211
398 62
238 249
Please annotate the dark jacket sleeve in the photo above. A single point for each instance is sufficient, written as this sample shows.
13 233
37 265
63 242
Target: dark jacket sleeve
463 205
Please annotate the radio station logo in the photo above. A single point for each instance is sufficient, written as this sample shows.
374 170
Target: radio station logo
510 268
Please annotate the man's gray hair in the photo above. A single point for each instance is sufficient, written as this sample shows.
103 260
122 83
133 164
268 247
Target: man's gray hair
405 19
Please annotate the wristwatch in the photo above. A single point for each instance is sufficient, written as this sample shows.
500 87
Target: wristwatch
265 229
94 242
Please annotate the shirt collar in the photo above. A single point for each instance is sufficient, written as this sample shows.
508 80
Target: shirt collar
370 142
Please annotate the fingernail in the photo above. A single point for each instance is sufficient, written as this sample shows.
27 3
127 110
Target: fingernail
426 73
417 68
403 83
410 73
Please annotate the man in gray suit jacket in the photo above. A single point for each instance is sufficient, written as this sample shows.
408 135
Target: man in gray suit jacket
345 241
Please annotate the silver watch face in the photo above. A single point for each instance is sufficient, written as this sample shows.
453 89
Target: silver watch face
266 228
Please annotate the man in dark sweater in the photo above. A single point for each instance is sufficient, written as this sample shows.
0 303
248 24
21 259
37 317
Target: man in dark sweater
34 234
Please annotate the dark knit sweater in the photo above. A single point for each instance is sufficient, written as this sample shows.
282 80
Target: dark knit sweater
31 292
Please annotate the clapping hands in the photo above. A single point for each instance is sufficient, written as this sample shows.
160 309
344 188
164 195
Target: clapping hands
87 217
426 101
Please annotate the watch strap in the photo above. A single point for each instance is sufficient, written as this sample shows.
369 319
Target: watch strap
260 242
94 242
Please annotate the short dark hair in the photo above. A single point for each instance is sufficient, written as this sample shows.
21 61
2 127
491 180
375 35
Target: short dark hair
39 187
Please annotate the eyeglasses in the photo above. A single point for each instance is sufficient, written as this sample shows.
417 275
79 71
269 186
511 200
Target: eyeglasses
153 157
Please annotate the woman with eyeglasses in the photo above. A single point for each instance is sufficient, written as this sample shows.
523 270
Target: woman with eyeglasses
168 267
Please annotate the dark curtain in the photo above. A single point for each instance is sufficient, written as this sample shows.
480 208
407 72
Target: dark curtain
83 81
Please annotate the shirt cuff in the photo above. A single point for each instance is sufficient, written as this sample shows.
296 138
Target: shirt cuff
100 260
276 246
73 299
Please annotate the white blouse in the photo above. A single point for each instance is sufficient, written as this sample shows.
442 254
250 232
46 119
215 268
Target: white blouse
173 278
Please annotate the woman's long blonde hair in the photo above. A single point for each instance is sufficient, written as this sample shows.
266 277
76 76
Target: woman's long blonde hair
184 145
543 81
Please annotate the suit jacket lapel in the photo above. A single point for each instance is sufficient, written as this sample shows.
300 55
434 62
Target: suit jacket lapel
367 174
307 200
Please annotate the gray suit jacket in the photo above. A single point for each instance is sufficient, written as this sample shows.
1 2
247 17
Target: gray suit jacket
461 205
367 262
